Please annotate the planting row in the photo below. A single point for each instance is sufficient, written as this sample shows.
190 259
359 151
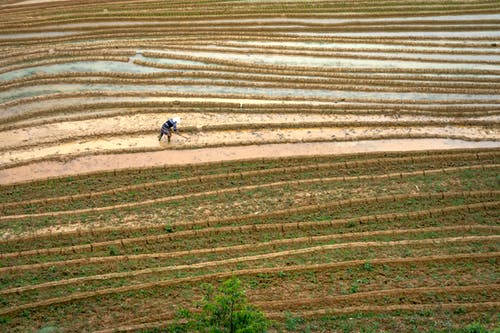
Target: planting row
194 246
201 187
369 274
428 241
144 179
88 238
84 109
118 178
365 82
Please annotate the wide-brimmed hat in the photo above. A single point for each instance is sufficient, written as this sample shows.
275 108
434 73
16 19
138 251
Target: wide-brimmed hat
177 120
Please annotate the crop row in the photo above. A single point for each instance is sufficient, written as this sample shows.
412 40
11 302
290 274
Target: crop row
198 184
78 111
194 279
296 303
147 6
291 8
263 47
276 27
194 35
112 110
311 165
241 188
277 82
282 230
163 320
357 54
165 43
97 239
184 239
145 174
59 96
236 12
10 62
219 61
242 67
129 274
220 222
289 25
222 72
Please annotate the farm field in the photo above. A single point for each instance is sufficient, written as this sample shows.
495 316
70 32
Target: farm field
341 158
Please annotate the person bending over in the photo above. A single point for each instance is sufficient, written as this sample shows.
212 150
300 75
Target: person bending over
167 128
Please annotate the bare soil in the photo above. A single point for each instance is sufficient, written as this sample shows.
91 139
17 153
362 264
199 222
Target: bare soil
94 163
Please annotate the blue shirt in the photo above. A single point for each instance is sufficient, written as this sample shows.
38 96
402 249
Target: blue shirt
168 125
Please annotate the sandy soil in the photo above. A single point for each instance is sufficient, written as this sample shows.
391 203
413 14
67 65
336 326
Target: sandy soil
241 137
58 131
95 163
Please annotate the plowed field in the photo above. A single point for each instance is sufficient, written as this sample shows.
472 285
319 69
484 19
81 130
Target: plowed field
341 158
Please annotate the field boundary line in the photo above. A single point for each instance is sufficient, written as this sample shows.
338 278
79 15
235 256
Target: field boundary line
249 187
303 168
163 283
239 248
238 229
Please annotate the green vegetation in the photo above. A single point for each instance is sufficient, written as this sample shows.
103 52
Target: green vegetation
353 242
225 310
372 244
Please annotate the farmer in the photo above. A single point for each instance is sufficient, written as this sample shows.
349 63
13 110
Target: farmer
167 127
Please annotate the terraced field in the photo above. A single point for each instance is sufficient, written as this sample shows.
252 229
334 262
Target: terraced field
341 158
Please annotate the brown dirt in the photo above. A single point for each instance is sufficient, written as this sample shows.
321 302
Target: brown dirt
88 164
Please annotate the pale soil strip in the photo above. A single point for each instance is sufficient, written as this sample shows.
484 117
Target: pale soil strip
63 61
136 122
218 58
110 162
85 137
230 73
479 136
231 45
163 283
167 317
220 192
74 109
71 84
226 249
242 98
335 54
302 168
260 81
207 229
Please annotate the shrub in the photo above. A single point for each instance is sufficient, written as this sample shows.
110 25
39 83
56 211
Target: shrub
223 311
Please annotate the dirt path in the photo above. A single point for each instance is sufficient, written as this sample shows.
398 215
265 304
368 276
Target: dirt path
89 164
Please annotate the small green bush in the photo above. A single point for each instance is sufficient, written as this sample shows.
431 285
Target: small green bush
225 310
